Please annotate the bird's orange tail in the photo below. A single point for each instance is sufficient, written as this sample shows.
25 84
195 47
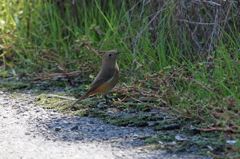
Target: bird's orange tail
81 98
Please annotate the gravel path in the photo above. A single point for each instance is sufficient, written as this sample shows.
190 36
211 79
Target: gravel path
29 131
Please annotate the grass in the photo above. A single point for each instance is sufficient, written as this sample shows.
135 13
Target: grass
172 56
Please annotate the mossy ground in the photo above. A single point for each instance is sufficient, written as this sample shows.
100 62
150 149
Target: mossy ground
172 133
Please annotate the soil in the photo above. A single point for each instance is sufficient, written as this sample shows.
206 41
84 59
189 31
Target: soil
29 131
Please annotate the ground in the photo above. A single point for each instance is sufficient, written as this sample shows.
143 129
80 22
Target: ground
29 131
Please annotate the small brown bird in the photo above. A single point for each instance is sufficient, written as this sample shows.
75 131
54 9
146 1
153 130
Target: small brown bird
106 78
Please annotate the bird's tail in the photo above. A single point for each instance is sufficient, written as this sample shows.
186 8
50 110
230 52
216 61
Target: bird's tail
81 98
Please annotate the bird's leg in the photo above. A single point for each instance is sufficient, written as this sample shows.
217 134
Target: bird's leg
107 102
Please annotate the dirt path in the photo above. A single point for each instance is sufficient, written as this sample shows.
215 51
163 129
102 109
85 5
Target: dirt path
28 131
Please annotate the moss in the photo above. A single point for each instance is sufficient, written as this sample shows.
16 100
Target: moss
52 103
126 121
13 85
97 113
91 113
151 140
160 125
82 112
166 137
143 108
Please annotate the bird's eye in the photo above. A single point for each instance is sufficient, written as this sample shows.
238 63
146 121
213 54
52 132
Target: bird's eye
110 55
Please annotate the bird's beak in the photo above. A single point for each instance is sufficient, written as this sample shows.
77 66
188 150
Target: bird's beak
118 52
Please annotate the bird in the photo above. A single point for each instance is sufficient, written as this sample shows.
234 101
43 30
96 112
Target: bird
106 78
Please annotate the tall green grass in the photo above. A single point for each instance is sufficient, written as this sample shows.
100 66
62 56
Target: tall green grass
47 26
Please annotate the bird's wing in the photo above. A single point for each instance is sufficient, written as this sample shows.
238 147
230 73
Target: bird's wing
101 79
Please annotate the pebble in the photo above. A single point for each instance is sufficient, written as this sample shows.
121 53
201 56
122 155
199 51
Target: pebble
57 128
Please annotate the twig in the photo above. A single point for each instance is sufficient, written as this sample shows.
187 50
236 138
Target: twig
57 96
153 106
92 49
59 75
120 100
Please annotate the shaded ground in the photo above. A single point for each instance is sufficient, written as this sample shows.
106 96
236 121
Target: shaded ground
28 131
